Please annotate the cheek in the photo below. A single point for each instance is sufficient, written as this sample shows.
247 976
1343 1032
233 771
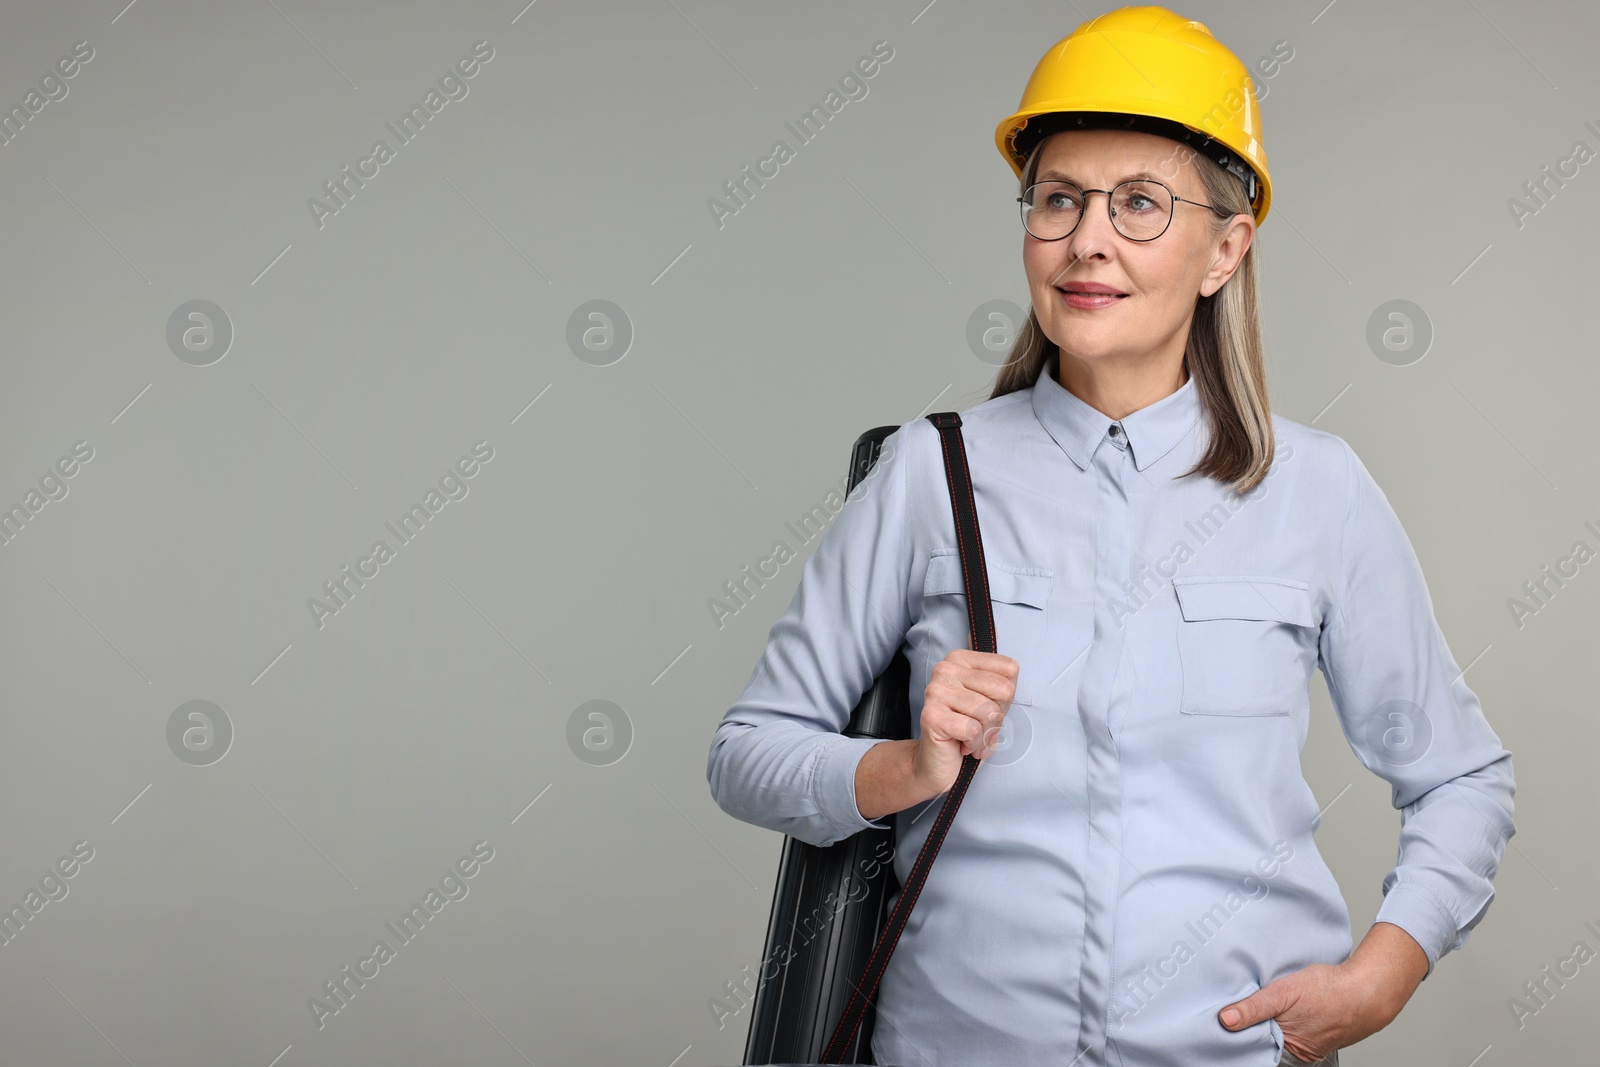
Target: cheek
1180 267
1163 274
1041 263
1032 260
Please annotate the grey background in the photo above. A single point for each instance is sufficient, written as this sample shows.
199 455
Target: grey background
432 312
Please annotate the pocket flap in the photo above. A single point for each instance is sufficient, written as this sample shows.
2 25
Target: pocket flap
1245 596
1007 584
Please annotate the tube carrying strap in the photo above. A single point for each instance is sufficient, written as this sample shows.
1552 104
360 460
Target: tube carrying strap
980 616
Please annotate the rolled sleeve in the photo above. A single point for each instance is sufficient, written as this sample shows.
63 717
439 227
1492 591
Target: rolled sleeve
1410 718
1422 915
778 758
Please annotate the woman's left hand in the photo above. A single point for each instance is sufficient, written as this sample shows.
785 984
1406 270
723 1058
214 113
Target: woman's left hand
1325 1007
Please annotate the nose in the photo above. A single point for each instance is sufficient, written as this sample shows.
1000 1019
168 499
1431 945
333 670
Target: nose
1094 231
1092 238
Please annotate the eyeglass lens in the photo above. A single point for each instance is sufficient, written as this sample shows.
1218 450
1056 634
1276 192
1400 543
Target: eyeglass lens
1140 210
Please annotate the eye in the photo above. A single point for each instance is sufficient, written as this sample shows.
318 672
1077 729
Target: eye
1143 198
1061 200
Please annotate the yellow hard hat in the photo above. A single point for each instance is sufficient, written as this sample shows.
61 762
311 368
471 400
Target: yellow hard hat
1148 69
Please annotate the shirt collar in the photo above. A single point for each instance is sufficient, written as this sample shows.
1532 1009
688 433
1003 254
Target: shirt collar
1079 429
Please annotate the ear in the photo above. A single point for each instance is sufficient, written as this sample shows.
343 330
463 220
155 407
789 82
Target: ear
1231 247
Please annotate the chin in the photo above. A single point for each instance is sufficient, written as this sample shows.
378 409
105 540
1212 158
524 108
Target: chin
1085 350
1085 344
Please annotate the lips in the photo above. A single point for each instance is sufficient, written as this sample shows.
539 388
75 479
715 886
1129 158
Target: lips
1090 289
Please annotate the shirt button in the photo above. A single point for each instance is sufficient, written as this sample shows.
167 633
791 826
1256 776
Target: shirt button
1115 429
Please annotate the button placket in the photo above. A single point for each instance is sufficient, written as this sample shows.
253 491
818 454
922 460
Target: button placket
1102 866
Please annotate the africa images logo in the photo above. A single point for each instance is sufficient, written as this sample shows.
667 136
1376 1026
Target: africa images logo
811 124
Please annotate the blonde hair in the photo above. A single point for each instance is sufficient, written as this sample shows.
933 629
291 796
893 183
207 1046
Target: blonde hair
1224 352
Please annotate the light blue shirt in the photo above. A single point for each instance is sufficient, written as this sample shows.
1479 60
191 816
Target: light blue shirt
1138 853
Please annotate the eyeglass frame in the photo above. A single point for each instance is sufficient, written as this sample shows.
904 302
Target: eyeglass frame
1083 208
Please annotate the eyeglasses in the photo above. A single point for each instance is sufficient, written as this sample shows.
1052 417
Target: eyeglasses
1140 209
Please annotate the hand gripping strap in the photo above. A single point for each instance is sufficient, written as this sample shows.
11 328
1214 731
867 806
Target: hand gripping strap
980 616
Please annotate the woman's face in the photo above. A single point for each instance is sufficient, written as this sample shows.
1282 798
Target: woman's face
1161 278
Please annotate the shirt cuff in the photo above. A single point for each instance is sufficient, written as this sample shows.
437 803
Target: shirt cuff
833 785
1421 914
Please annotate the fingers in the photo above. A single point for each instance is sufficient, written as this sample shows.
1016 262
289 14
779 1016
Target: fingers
968 697
985 674
990 662
942 724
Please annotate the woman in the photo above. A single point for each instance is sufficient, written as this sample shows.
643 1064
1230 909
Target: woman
1132 877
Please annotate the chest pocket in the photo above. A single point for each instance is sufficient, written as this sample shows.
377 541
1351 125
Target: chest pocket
1240 644
1017 595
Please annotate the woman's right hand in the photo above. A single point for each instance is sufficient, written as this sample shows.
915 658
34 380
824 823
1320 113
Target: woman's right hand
963 708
